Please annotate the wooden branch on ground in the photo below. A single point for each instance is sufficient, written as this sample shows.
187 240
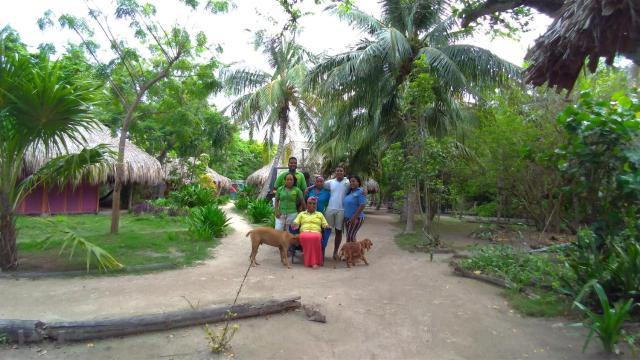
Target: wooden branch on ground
458 270
30 331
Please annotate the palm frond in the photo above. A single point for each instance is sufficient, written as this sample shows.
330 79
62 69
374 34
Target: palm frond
480 66
238 81
357 18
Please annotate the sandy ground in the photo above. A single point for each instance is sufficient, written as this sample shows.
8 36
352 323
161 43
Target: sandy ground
400 307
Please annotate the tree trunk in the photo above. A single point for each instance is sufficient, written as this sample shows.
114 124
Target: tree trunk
409 227
32 331
284 120
8 249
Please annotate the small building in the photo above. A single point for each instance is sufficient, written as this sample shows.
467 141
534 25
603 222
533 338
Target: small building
140 168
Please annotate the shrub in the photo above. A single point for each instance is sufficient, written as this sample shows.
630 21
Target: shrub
192 195
223 199
242 203
146 208
259 211
162 203
207 222
487 210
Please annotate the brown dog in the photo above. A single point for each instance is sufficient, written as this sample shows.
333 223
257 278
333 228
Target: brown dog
280 239
351 252
365 244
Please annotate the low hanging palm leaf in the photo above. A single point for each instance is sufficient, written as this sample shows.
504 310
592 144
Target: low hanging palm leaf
71 240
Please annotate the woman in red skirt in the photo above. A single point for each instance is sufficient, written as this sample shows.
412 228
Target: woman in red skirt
311 223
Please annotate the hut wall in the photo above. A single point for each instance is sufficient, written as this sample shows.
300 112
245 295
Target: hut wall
83 199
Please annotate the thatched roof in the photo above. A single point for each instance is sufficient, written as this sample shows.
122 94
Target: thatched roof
258 177
584 29
178 168
139 167
372 186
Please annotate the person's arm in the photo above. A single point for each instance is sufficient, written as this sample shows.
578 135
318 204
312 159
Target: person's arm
277 205
362 200
300 202
325 224
296 222
302 183
327 185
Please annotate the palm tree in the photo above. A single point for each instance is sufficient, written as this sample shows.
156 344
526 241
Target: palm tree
39 111
366 86
267 99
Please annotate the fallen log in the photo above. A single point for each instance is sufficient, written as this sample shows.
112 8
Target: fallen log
30 331
458 270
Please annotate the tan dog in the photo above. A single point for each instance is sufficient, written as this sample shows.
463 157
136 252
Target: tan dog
365 244
280 239
351 252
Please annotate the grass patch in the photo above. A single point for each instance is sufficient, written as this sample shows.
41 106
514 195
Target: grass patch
542 304
142 240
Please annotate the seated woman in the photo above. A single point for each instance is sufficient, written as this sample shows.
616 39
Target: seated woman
322 195
311 223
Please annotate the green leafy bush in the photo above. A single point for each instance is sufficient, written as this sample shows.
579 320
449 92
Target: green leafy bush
242 203
207 222
192 195
260 211
487 210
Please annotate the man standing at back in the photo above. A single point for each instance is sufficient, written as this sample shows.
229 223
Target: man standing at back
335 211
293 169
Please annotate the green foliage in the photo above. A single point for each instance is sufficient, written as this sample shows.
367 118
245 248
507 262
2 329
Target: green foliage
142 240
518 268
242 203
192 195
601 159
207 222
223 199
4 338
259 211
609 324
71 240
487 210
240 158
542 303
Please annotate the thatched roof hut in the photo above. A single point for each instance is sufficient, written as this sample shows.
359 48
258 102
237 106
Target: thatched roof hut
178 168
258 177
139 167
584 29
82 198
372 186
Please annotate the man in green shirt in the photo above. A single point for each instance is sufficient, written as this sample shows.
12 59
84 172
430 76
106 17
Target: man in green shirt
293 169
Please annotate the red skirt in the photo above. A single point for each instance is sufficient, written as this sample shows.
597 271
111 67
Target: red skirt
312 248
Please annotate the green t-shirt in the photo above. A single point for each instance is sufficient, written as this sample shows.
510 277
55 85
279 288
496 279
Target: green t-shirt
301 183
289 199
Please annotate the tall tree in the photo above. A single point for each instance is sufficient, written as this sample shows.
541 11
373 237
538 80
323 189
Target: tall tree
267 99
40 111
130 74
365 86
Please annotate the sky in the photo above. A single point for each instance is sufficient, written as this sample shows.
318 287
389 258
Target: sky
321 32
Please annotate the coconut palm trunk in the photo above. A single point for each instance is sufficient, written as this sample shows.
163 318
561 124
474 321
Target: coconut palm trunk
283 122
8 247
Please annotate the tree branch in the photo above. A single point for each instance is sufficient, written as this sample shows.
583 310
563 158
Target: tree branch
547 7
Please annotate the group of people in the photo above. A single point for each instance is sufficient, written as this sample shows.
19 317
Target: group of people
337 204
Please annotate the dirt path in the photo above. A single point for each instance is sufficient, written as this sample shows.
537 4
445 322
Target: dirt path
400 307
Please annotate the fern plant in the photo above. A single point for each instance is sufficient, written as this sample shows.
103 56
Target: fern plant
259 212
207 222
